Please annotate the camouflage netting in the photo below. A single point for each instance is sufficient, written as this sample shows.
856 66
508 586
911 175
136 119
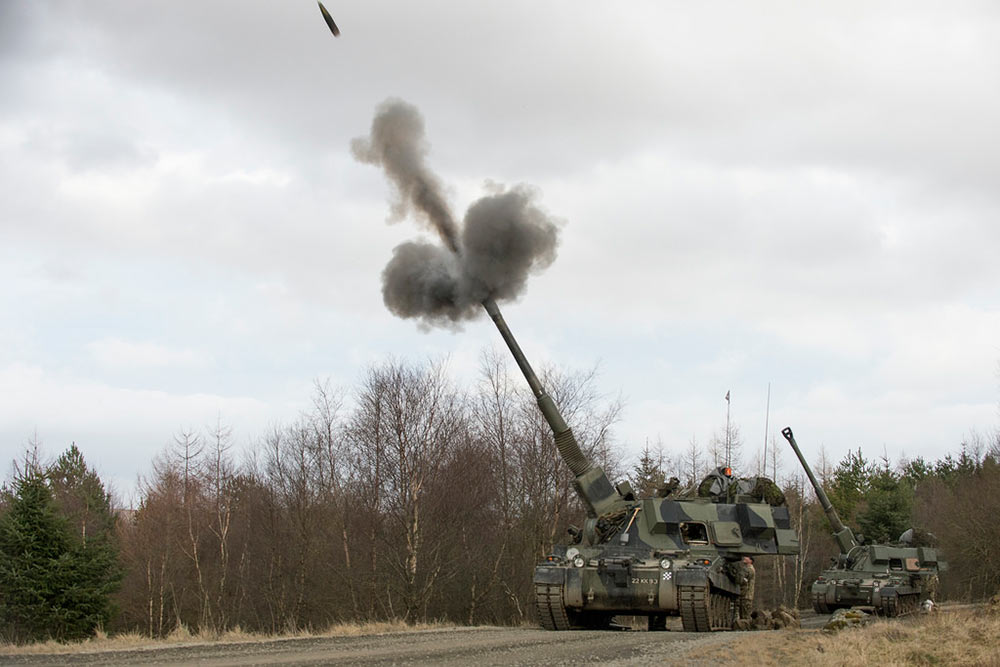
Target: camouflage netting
846 618
768 491
610 524
755 489
762 619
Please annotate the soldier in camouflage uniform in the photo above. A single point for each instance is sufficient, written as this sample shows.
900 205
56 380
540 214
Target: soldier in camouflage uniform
930 586
746 576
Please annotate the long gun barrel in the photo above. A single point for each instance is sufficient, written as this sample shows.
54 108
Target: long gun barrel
844 535
592 484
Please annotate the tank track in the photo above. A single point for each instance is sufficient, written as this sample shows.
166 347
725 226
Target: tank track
900 605
553 614
819 604
704 610
551 610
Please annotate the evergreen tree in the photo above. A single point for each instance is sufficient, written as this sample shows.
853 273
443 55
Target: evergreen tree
52 585
647 475
34 542
86 505
82 498
850 484
916 471
889 506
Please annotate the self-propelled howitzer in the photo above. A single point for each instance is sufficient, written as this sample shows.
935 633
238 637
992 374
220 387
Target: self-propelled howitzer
891 579
677 553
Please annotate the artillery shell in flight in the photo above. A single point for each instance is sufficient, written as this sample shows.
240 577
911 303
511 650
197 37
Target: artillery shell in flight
329 20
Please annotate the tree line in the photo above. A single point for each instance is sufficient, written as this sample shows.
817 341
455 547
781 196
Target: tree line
408 498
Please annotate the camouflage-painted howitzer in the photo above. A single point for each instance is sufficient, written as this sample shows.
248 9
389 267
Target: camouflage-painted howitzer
891 579
674 554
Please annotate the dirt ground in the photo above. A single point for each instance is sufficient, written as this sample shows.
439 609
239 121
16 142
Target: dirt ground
481 646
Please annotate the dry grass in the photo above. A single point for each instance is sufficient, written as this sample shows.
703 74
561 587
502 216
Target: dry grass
182 636
955 637
379 628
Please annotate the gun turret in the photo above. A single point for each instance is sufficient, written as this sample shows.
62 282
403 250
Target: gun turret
591 483
844 535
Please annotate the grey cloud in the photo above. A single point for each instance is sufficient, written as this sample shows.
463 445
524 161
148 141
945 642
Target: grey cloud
832 85
92 148
805 171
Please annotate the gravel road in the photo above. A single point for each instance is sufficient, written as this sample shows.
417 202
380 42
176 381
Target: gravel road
480 646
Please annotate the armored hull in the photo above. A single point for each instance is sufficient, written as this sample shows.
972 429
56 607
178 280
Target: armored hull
653 556
890 579
670 558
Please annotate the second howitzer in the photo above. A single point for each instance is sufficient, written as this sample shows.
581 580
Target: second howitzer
891 579
675 554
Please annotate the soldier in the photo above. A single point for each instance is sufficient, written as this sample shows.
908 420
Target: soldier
930 588
747 573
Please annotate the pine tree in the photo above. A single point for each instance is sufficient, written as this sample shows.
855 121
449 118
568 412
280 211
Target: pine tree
34 545
54 584
850 484
83 501
889 506
647 475
81 498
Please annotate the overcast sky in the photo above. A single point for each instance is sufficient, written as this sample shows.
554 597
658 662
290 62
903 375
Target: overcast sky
794 193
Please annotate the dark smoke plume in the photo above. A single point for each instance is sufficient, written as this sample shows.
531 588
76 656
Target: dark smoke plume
502 239
396 143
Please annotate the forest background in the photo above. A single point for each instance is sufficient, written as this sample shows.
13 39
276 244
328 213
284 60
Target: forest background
410 498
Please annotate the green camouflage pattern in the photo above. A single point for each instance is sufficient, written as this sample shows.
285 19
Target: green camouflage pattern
674 554
640 558
891 579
